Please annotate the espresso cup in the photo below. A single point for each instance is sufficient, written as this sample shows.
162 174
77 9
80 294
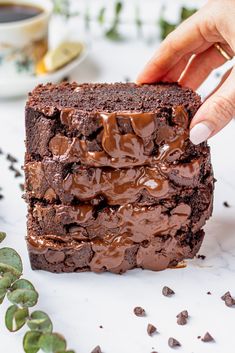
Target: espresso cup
24 43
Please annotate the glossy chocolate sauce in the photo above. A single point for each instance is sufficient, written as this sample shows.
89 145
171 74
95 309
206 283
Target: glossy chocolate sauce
121 170
122 150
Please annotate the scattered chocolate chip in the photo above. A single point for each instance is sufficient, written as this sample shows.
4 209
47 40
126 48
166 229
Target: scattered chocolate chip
1 152
138 311
198 337
21 187
182 318
65 79
226 204
96 350
154 352
183 313
101 326
208 293
202 257
11 158
167 292
207 338
173 343
1 196
15 170
228 299
151 329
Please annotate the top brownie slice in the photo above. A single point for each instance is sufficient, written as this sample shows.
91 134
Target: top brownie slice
113 125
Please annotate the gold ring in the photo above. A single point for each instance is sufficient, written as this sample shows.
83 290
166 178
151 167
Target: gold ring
223 52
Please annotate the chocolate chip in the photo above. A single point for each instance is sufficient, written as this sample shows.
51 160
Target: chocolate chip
228 299
96 350
198 337
21 187
226 204
207 338
183 313
138 311
208 293
167 292
202 257
182 317
11 159
173 343
151 329
101 326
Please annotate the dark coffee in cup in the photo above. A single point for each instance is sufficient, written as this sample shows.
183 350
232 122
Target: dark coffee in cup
10 12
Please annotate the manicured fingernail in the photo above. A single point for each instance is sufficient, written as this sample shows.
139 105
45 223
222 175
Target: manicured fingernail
200 133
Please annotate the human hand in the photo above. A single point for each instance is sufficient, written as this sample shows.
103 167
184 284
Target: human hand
188 55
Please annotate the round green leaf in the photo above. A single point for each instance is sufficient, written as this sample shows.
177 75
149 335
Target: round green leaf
40 321
2 236
3 292
31 342
10 261
22 284
16 317
24 297
5 282
52 342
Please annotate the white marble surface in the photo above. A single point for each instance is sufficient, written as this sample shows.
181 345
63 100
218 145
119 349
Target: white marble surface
79 303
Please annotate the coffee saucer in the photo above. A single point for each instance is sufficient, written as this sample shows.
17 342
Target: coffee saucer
22 84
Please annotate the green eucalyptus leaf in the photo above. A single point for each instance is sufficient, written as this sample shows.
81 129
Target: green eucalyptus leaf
31 341
5 282
10 261
101 16
186 13
166 27
52 342
118 8
2 236
24 297
16 317
40 321
22 284
3 293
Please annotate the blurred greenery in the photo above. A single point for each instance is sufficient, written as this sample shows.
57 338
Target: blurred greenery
63 8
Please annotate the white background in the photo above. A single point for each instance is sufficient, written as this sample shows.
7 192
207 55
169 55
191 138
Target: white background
79 303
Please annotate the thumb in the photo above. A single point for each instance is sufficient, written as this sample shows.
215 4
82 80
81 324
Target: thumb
215 113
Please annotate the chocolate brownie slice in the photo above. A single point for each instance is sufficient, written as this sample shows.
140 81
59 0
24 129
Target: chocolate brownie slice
112 180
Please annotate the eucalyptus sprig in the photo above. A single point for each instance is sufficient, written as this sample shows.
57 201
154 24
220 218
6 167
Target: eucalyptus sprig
167 27
22 295
63 8
113 32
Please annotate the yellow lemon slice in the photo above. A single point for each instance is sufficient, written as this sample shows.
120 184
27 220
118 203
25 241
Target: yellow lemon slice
41 68
59 57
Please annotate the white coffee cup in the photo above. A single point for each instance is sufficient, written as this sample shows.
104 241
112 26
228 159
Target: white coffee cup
23 43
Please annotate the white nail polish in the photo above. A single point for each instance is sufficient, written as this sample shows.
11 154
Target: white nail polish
200 133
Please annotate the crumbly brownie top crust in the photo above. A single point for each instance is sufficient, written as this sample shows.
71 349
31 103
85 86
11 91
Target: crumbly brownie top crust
111 97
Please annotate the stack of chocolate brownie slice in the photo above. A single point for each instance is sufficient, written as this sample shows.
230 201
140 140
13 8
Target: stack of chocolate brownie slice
112 180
